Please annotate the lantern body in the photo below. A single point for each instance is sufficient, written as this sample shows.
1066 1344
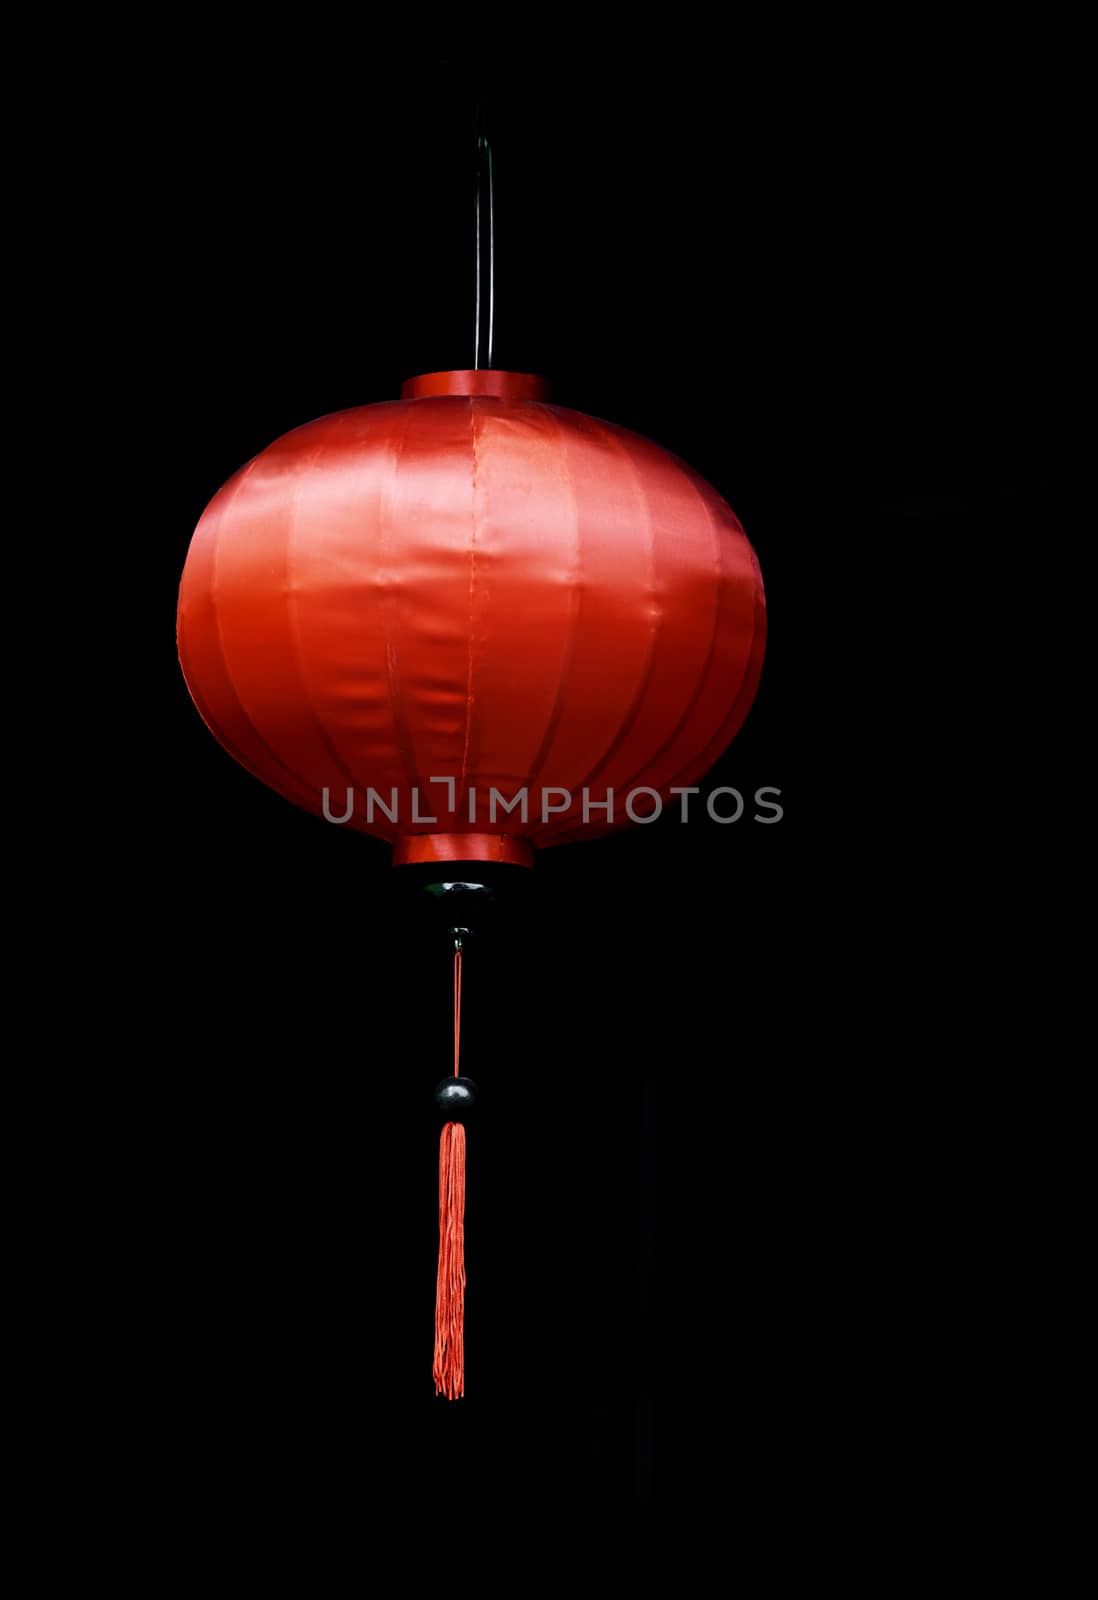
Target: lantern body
465 600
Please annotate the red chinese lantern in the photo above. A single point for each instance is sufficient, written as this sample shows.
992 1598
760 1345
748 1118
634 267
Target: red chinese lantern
474 624
471 623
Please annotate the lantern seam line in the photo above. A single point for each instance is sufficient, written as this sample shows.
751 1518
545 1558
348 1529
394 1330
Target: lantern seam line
748 685
574 608
472 593
315 797
403 739
294 622
633 710
737 714
567 832
353 416
222 738
714 630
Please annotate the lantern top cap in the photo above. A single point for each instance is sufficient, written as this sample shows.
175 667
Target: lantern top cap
484 381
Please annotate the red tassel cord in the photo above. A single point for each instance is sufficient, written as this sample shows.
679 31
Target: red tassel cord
449 1368
457 1011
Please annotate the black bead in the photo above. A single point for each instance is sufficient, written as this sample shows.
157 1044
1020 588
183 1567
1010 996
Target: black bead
456 1096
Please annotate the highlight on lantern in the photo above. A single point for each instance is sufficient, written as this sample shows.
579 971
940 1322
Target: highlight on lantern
639 805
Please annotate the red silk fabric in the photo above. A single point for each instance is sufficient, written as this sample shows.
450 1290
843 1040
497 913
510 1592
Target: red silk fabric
477 587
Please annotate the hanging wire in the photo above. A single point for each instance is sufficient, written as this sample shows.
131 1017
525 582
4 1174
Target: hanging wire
484 332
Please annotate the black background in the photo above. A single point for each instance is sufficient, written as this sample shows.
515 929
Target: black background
704 1190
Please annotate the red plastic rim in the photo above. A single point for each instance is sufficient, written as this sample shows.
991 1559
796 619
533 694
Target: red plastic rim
502 385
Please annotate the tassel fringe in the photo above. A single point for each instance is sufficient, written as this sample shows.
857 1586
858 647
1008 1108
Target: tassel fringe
449 1369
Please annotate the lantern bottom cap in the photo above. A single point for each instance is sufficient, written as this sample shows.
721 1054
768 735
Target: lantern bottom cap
426 847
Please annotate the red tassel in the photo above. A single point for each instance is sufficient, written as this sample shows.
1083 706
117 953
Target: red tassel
450 1294
450 1288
